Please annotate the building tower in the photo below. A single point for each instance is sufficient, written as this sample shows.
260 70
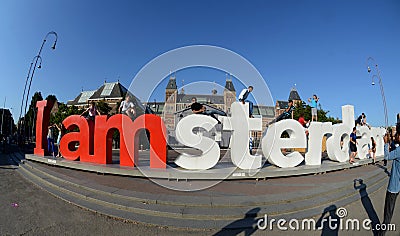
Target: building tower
171 88
171 93
294 95
229 95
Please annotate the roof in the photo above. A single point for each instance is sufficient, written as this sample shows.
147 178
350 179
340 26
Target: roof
82 98
265 111
109 90
229 85
188 109
282 104
156 107
114 90
171 83
201 98
294 95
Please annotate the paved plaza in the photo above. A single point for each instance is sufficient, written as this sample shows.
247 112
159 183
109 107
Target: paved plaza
30 210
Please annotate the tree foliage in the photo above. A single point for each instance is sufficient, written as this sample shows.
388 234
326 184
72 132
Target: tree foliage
30 117
103 107
52 98
63 112
305 109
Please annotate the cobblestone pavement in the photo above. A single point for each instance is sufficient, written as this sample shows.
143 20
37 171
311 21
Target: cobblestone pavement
27 210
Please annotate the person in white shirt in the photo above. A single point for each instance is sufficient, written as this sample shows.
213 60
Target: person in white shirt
243 98
127 107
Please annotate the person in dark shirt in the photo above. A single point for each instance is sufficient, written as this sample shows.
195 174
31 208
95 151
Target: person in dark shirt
353 145
361 120
287 114
198 108
372 150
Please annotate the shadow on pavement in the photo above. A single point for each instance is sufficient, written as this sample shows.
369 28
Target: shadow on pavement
367 204
383 168
243 226
329 224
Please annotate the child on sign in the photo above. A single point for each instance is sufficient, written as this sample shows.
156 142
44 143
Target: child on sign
314 105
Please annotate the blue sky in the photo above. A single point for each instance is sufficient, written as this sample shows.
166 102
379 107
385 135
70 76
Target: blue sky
321 46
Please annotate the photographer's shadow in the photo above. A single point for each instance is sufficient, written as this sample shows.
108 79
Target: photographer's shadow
245 225
325 222
366 202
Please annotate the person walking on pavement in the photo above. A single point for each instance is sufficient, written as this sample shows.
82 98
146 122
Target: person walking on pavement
50 140
353 145
393 188
243 98
372 150
60 133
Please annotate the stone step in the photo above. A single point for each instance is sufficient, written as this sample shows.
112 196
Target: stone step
215 201
155 211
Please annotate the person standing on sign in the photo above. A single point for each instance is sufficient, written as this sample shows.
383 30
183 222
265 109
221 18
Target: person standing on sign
353 145
393 188
243 98
127 107
314 107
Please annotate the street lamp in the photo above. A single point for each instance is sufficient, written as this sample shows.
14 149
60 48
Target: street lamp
2 115
26 83
11 121
378 76
36 59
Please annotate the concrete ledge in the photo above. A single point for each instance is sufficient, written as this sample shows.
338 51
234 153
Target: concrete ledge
222 171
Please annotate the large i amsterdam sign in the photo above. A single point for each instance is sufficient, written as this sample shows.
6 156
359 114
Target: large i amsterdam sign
95 139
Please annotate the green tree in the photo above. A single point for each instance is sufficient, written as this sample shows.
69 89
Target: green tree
103 107
52 98
30 116
305 109
63 112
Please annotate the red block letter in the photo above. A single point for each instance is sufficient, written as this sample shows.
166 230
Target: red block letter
103 139
158 144
42 122
69 140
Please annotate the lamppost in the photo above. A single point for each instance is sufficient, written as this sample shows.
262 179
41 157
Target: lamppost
36 59
26 83
378 76
11 121
2 115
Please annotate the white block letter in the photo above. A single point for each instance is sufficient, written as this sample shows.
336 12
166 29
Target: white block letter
185 135
378 134
272 143
363 142
241 125
316 131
